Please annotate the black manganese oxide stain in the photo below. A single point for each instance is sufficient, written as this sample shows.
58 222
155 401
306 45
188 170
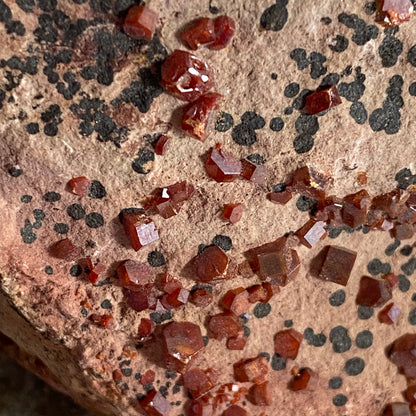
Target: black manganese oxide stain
337 298
304 203
278 362
340 44
28 236
52 196
376 266
354 366
315 60
94 220
144 161
261 310
365 312
244 134
223 241
26 199
75 270
390 50
76 211
275 17
335 383
339 400
276 124
292 90
364 339
411 55
61 228
405 178
256 158
97 190
156 259
404 283
224 122
363 33
340 339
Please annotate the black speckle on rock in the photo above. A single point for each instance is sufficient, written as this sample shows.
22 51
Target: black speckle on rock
276 124
52 196
287 111
247 331
47 5
315 60
292 90
288 323
305 203
49 270
409 267
15 171
412 317
412 89
213 9
170 374
300 101
406 250
261 310
363 33
84 312
389 51
223 241
127 372
28 236
358 112
303 143
256 158
94 220
224 122
75 270
307 124
32 128
275 17
411 55
318 340
51 129
326 20
404 283
335 383
353 91
339 400
156 259
264 354
61 228
376 266
244 135
308 335
337 298
273 75
97 190
205 340
253 120
365 312
370 7
144 161
364 339
354 366
405 178
26 199
328 81
278 362
158 318
340 339
75 211
106 304
176 387
26 5
340 44
39 214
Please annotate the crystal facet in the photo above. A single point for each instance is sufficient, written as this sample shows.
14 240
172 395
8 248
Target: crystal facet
260 394
200 32
162 144
224 28
132 273
234 410
309 182
225 325
373 292
393 12
199 382
140 23
201 297
389 314
233 212
139 229
311 233
355 207
65 250
253 172
251 369
222 166
236 301
141 297
79 186
305 379
322 100
212 264
154 404
396 409
287 343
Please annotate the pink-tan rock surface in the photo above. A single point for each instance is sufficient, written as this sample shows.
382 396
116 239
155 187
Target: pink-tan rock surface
79 98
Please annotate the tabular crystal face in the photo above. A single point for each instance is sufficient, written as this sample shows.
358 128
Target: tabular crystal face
236 301
132 273
211 265
373 292
306 379
140 230
140 23
252 369
199 382
79 186
389 314
311 233
225 325
65 249
287 343
222 166
154 404
355 208
322 100
394 12
260 394
200 33
396 409
308 182
234 410
233 212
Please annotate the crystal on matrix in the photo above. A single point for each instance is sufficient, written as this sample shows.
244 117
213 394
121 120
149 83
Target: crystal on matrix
199 382
211 264
140 229
389 314
322 100
233 212
154 404
311 233
260 394
236 301
251 369
373 292
79 186
225 325
65 249
287 343
222 166
140 23
132 273
305 379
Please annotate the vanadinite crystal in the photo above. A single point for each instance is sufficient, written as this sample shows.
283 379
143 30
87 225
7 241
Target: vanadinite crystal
410 394
79 186
147 377
146 328
199 117
140 229
311 233
96 271
355 207
200 407
225 325
233 212
373 292
222 166
305 379
396 409
389 314
251 369
162 144
287 343
199 382
236 301
281 198
65 249
329 210
237 343
212 264
403 353
234 410
140 23
260 394
393 12
224 28
253 172
105 321
201 297
334 264
175 299
276 262
392 203
182 341
403 231
132 273
308 182
185 76
322 100
141 297
154 404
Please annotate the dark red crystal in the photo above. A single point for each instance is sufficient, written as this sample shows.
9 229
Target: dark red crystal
140 23
224 28
65 250
154 404
142 297
309 182
393 12
403 353
260 394
201 407
373 292
199 382
251 369
233 212
162 144
201 297
253 172
355 207
105 321
281 198
96 271
389 314
311 233
403 231
185 76
148 377
211 264
396 409
222 166
79 186
146 328
305 379
176 299
200 32
392 203
140 230
225 325
287 343
237 343
322 100
234 410
236 301
132 273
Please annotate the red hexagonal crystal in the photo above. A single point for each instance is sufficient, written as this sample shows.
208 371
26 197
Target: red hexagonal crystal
211 264
333 264
199 382
201 297
140 229
162 144
222 166
281 198
181 341
396 409
105 321
403 231
154 404
65 250
392 279
311 233
236 301
132 273
256 293
355 207
234 410
322 100
329 210
373 292
146 328
276 262
392 203
200 407
393 12
142 297
175 299
389 314
308 182
251 369
225 325
96 271
233 212
224 28
185 76
403 353
140 23
236 343
305 379
79 186
287 343
260 394
253 172
199 117
200 32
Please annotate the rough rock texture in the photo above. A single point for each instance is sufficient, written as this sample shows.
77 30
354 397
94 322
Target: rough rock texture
75 101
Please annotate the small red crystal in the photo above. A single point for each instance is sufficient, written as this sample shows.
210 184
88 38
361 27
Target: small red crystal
222 166
287 343
329 210
117 375
236 343
105 321
132 273
199 382
162 144
270 290
154 404
333 264
373 292
234 410
65 250
146 328
396 409
389 314
251 369
142 297
211 264
260 394
224 28
200 407
403 231
200 33
309 182
305 379
392 203
233 212
281 198
355 207
311 233
139 229
148 377
199 117
182 341
392 279
236 301
256 293
185 76
176 299
403 353
322 100
225 325
96 272
79 186
393 12
201 297
253 172
140 23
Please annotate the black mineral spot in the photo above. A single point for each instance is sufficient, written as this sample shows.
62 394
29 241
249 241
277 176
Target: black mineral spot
275 17
335 383
390 50
51 129
315 60
264 354
412 89
224 122
170 374
26 198
339 400
76 211
15 171
354 366
61 228
340 44
39 214
28 236
305 203
406 250
32 128
106 304
176 388
337 298
256 158
278 362
205 339
412 317
261 310
411 55
307 124
244 135
376 266
391 248
340 339
26 5
276 124
358 112
364 339
365 312
223 241
75 270
292 90
287 111
363 33
52 196
97 190
414 297
143 162
253 120
156 259
274 75
409 267
94 220
288 323
300 101
158 318
308 335
326 20
84 312
303 143
353 91
49 270
328 81
370 7
405 178
247 331
404 283
319 340
127 372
